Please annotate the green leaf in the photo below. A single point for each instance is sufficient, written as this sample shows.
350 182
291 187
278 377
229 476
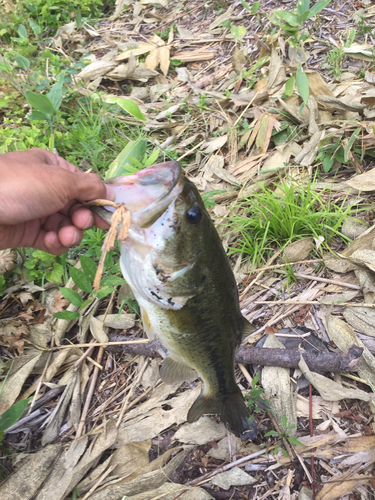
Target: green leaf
44 256
302 84
72 295
302 6
55 275
89 266
37 115
246 5
238 32
13 414
255 7
4 67
21 61
271 433
319 6
55 94
134 149
152 158
351 141
78 18
136 163
40 102
22 31
289 86
327 163
80 279
128 105
35 27
68 315
103 292
288 17
284 420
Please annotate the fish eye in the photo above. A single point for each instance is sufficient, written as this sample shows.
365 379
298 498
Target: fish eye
194 214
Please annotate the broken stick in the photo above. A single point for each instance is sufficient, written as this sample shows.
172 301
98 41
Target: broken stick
317 361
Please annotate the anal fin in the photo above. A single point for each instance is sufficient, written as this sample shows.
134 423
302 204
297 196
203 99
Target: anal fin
172 371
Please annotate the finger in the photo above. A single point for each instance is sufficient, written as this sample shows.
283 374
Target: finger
55 222
52 159
48 242
70 236
100 223
82 217
84 187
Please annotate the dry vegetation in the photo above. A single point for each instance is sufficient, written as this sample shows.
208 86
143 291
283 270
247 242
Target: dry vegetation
100 422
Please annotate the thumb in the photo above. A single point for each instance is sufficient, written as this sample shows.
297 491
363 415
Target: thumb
88 187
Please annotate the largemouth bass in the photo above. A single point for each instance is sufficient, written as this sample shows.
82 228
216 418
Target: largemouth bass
174 262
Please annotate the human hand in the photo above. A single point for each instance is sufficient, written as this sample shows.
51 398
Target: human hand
40 201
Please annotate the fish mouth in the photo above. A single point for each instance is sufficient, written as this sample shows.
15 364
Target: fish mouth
147 193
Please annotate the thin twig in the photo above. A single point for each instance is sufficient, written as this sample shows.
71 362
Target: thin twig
325 280
89 394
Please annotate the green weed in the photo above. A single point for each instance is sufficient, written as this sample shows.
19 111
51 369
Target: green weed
269 219
285 436
333 61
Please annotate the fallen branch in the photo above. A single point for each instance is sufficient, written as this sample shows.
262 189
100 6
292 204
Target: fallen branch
317 361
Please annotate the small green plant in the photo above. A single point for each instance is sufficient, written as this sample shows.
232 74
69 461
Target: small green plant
334 59
84 280
253 398
363 28
47 106
285 436
291 22
42 267
207 197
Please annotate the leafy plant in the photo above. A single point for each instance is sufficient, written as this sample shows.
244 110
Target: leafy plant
42 266
84 280
285 436
292 21
334 59
253 398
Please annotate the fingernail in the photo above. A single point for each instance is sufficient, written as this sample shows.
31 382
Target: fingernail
110 194
55 242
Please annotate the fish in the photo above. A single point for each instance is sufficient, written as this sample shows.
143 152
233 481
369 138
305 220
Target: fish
175 264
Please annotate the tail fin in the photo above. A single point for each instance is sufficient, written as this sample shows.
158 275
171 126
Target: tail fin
233 413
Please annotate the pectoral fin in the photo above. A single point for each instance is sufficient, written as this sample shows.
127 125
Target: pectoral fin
248 327
172 371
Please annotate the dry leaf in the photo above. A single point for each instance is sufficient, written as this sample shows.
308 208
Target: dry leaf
232 477
96 69
200 54
214 144
21 370
278 389
329 389
299 250
60 303
26 480
201 432
97 330
363 182
344 337
120 224
238 60
7 260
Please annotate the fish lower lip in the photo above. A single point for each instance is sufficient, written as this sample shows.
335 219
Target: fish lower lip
147 193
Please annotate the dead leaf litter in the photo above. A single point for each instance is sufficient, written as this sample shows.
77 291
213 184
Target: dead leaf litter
101 420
